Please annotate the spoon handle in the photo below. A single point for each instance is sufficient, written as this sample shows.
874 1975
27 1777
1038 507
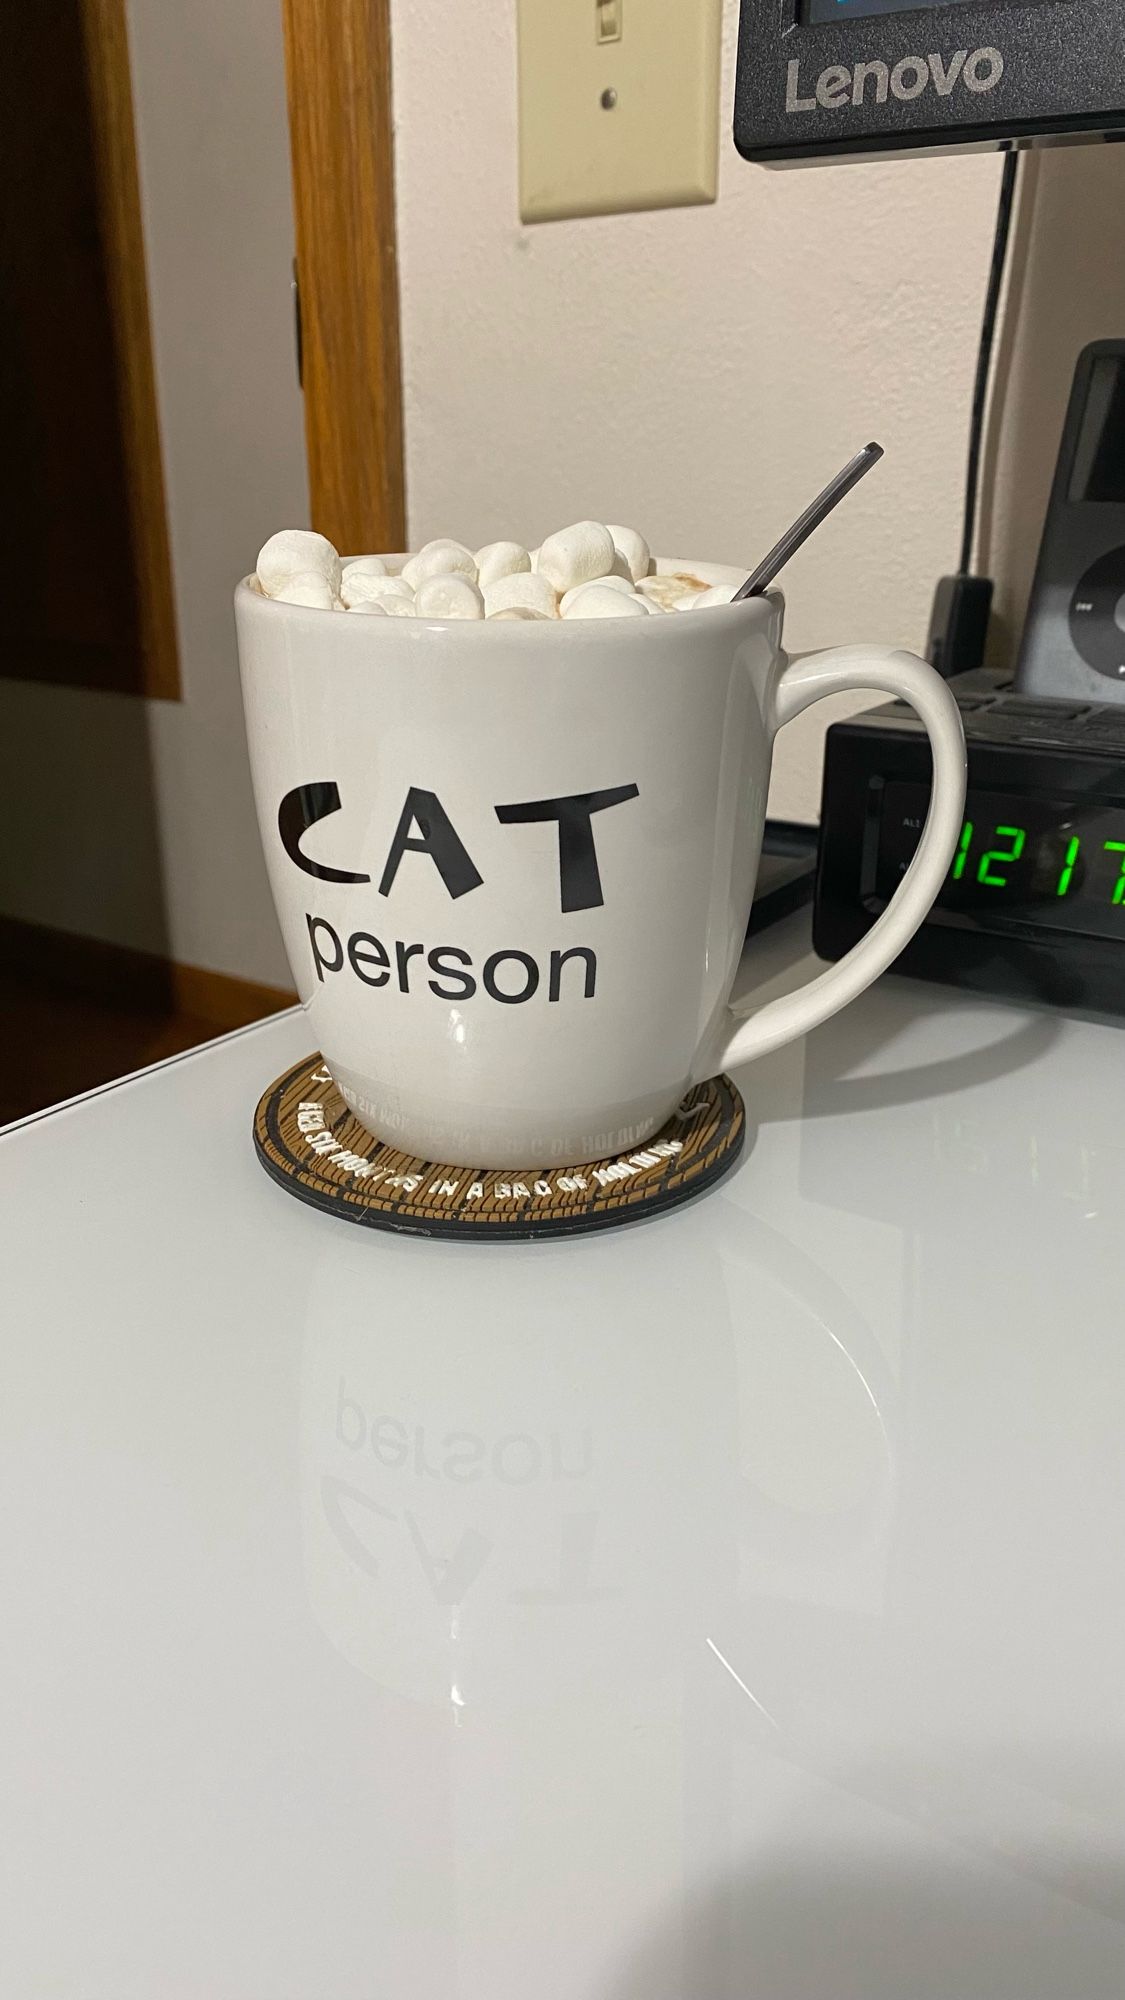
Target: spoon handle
807 523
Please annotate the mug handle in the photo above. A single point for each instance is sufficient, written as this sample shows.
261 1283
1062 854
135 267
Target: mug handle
802 681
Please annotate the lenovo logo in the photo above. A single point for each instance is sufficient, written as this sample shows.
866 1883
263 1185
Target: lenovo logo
873 82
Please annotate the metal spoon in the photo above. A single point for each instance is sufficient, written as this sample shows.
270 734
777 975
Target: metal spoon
760 579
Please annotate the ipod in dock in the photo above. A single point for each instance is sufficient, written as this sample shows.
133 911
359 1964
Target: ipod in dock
1074 638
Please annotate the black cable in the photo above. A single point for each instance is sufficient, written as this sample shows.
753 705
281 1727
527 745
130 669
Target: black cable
984 356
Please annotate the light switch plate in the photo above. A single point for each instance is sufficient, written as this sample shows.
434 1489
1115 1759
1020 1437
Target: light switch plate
619 105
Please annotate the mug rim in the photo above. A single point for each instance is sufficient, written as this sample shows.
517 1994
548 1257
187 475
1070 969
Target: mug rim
506 630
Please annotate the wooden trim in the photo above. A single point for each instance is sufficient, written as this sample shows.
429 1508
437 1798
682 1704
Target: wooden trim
134 979
111 111
338 59
224 1001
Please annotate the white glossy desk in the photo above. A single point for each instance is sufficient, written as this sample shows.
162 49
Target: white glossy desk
726 1609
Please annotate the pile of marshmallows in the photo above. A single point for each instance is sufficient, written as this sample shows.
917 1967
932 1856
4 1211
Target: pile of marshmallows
586 571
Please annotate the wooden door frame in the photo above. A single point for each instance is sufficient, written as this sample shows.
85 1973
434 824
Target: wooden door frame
119 201
338 66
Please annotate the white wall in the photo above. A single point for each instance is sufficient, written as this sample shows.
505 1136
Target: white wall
699 371
209 91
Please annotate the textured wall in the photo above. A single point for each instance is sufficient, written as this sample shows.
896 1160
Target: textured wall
699 371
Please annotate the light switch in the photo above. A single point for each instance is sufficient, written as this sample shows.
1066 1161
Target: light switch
619 105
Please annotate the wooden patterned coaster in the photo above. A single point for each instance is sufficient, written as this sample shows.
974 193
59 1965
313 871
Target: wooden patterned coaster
309 1142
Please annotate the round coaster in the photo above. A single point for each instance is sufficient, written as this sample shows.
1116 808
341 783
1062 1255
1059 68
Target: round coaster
309 1142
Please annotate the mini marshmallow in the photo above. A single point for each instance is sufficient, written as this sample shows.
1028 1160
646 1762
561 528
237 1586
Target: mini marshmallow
448 597
499 559
633 549
517 611
440 558
532 593
602 601
371 606
297 552
669 592
310 588
366 566
577 554
719 593
601 583
361 586
397 607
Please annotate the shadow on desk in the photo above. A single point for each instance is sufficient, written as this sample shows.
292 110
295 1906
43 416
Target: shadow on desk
833 1089
942 1925
853 1063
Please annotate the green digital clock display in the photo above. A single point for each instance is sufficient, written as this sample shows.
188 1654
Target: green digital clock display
1057 866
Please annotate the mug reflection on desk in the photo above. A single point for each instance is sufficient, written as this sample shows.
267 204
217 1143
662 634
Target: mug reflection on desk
507 1493
547 1482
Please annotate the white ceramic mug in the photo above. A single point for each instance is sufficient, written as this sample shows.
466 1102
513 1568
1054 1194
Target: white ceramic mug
514 861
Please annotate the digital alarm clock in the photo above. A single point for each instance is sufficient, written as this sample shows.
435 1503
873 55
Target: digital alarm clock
1033 905
825 79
